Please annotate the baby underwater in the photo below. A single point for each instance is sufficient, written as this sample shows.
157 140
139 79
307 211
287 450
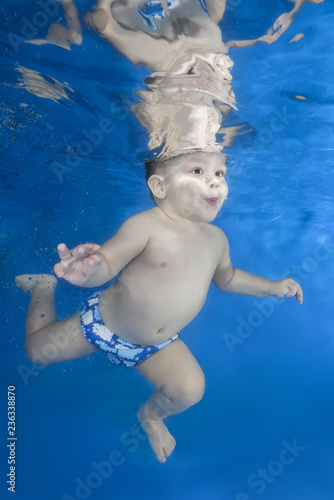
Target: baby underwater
165 259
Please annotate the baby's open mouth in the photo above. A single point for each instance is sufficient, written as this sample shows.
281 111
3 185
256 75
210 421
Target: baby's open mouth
212 201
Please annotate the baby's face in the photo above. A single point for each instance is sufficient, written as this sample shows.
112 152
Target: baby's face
196 186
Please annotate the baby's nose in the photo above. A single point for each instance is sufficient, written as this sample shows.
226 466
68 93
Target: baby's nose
213 181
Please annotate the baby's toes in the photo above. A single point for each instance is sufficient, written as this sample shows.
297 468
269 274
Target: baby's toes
169 447
161 456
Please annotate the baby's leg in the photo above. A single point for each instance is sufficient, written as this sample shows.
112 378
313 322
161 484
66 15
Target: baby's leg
179 383
47 340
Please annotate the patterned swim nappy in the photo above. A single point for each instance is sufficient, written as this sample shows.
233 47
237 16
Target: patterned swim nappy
119 351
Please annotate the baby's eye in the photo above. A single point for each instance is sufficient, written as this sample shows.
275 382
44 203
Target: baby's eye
220 173
197 171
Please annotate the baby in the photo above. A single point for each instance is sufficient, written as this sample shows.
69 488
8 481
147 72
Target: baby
165 259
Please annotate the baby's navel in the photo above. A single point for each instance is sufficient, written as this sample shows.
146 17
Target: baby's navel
163 264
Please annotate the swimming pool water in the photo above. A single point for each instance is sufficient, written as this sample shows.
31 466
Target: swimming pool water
264 428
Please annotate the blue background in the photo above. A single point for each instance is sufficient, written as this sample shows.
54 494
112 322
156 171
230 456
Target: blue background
271 386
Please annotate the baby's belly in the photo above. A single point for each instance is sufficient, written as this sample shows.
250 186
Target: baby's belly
151 317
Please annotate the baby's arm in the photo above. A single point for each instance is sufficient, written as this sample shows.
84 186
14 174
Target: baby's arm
90 265
233 280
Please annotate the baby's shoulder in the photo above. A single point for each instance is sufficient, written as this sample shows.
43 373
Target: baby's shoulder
142 221
217 237
216 232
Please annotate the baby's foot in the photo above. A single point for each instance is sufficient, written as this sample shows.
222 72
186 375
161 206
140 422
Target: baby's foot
30 282
161 440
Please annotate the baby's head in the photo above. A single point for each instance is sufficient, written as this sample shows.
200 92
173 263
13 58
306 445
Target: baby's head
192 185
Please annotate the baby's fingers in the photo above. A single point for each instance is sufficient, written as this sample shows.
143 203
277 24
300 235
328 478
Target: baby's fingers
94 260
64 252
67 259
59 271
294 290
83 251
299 295
91 263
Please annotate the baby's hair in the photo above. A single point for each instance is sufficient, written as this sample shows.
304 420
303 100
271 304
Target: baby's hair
158 166
153 167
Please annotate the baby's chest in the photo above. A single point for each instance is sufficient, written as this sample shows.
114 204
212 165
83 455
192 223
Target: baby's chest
187 256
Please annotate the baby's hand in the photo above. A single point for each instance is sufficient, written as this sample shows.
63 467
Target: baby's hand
289 288
79 264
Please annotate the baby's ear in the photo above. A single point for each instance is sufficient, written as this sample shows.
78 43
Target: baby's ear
156 183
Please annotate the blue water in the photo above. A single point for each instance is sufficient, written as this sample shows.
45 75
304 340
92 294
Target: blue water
268 366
